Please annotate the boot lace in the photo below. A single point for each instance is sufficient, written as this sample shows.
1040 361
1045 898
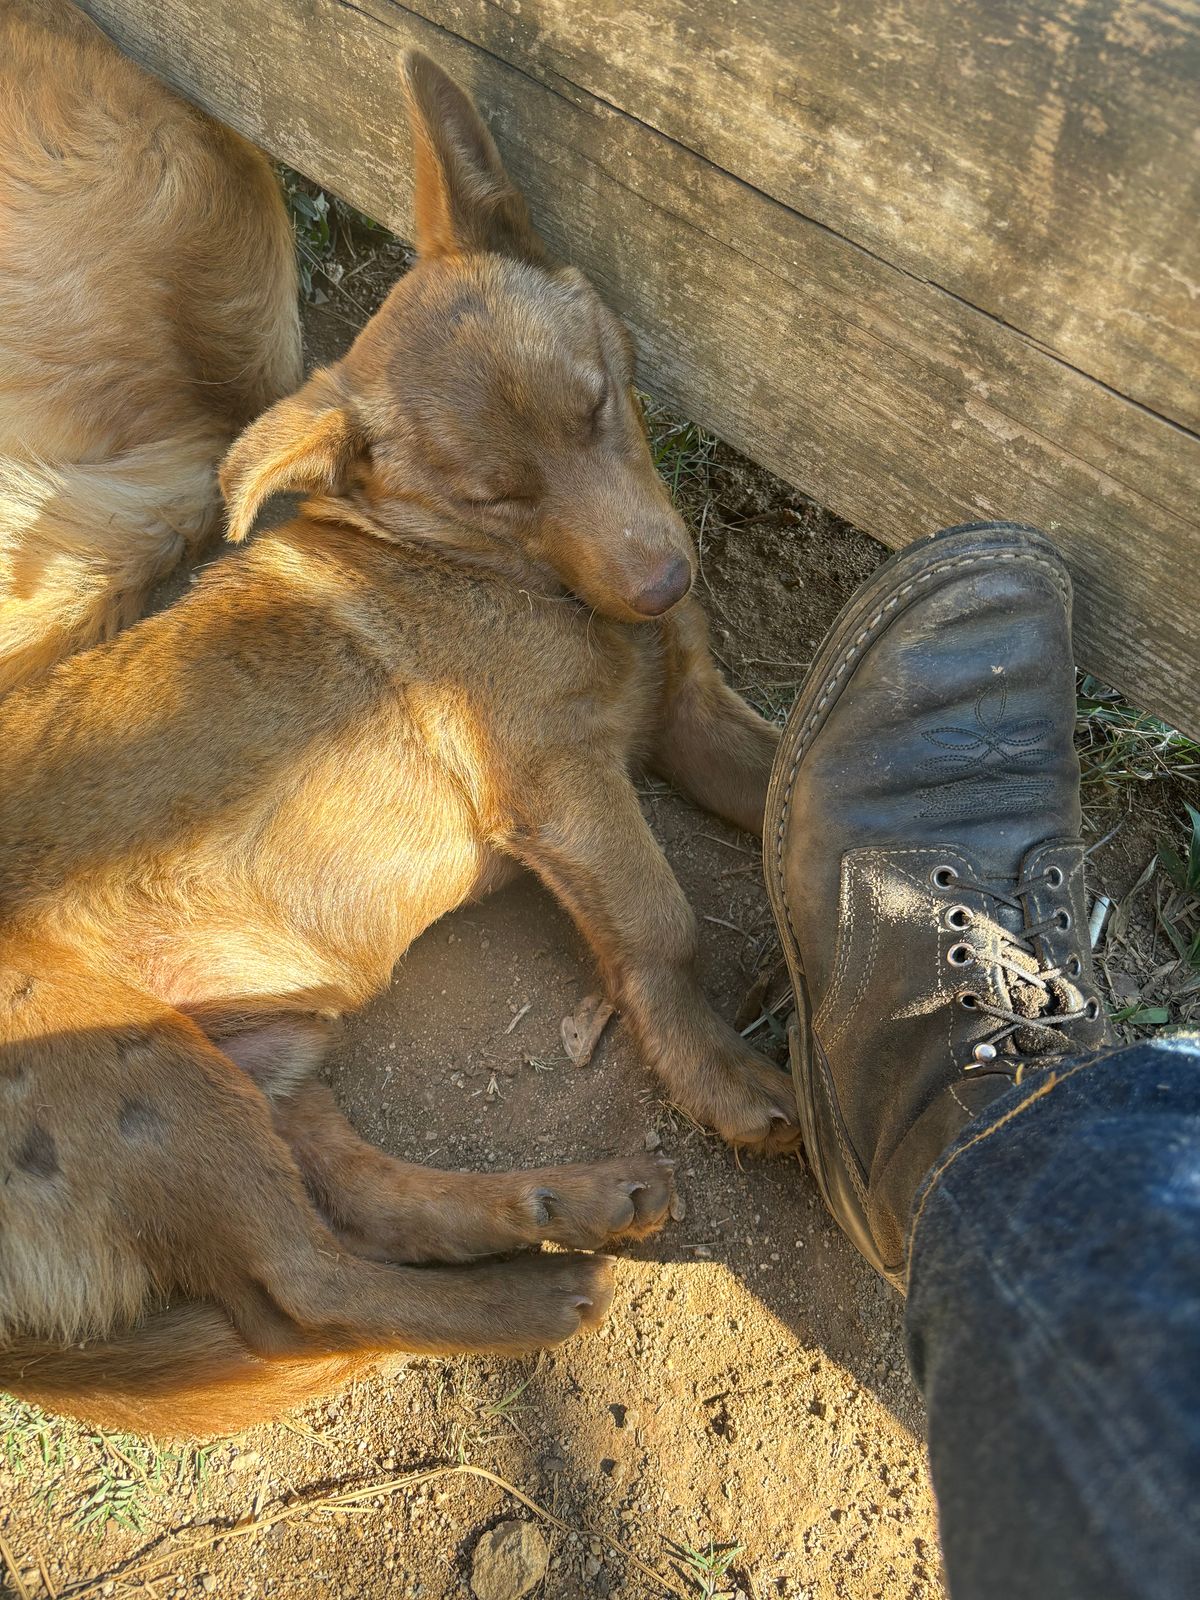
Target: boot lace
1050 1002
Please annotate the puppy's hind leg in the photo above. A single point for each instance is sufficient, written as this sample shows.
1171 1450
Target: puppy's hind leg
292 1291
390 1210
139 1140
393 1211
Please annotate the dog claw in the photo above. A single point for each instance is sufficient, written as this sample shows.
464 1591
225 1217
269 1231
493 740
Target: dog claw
588 1208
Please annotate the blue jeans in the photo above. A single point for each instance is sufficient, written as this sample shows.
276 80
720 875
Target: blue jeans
1053 1324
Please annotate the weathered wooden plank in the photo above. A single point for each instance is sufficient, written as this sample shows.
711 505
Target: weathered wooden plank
880 393
1038 159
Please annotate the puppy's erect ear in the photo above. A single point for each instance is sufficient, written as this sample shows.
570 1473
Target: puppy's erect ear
464 200
306 444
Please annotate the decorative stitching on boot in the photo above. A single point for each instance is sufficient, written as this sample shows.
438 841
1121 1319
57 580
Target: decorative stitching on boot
922 580
845 951
864 978
844 946
966 796
970 777
994 734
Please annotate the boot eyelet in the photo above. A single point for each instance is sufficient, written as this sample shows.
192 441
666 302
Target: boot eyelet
1092 1010
984 1051
960 955
1054 877
1063 921
958 918
969 1000
1074 967
943 877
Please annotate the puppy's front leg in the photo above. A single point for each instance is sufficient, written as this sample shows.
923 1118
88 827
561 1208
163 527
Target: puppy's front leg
711 745
590 843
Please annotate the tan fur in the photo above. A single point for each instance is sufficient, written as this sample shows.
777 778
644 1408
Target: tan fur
225 826
147 313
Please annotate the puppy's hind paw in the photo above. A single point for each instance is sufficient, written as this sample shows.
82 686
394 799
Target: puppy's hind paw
587 1207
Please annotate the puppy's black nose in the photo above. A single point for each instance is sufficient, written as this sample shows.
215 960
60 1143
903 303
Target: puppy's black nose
669 584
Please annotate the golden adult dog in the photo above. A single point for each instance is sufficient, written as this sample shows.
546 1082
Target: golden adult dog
147 314
224 827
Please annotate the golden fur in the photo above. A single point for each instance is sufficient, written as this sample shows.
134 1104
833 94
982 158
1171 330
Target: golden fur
147 313
224 827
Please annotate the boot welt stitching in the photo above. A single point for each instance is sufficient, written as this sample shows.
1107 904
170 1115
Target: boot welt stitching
922 580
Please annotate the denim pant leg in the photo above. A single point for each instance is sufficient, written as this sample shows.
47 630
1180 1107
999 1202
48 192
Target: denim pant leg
1053 1324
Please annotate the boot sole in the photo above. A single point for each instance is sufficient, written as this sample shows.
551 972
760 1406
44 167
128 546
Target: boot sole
901 579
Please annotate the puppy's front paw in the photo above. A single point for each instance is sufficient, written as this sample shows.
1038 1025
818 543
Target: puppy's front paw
746 1099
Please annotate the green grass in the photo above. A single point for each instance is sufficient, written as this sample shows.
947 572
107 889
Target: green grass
319 221
309 211
124 1474
494 1410
1154 935
1118 744
31 1446
683 453
1177 906
707 1573
131 1473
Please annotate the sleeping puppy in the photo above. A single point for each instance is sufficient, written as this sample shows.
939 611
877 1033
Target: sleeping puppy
225 827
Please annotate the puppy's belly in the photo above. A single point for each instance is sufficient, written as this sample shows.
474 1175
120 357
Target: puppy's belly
495 870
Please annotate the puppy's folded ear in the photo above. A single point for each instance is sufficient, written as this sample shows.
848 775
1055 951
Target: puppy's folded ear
464 199
306 444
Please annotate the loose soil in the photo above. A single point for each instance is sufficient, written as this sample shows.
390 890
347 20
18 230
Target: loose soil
748 1400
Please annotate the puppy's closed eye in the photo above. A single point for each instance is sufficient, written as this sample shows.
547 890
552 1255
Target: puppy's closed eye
498 502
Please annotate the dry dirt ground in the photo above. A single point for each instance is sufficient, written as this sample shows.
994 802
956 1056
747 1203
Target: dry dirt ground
745 1423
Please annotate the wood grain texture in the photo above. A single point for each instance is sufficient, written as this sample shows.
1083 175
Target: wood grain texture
844 317
1039 160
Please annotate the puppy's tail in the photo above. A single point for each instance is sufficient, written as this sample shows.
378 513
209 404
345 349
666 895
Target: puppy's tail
82 544
180 1373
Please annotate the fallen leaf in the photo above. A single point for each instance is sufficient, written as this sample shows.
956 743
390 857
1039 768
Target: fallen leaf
581 1032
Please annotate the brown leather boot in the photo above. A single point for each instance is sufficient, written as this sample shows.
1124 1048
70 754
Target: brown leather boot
924 865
